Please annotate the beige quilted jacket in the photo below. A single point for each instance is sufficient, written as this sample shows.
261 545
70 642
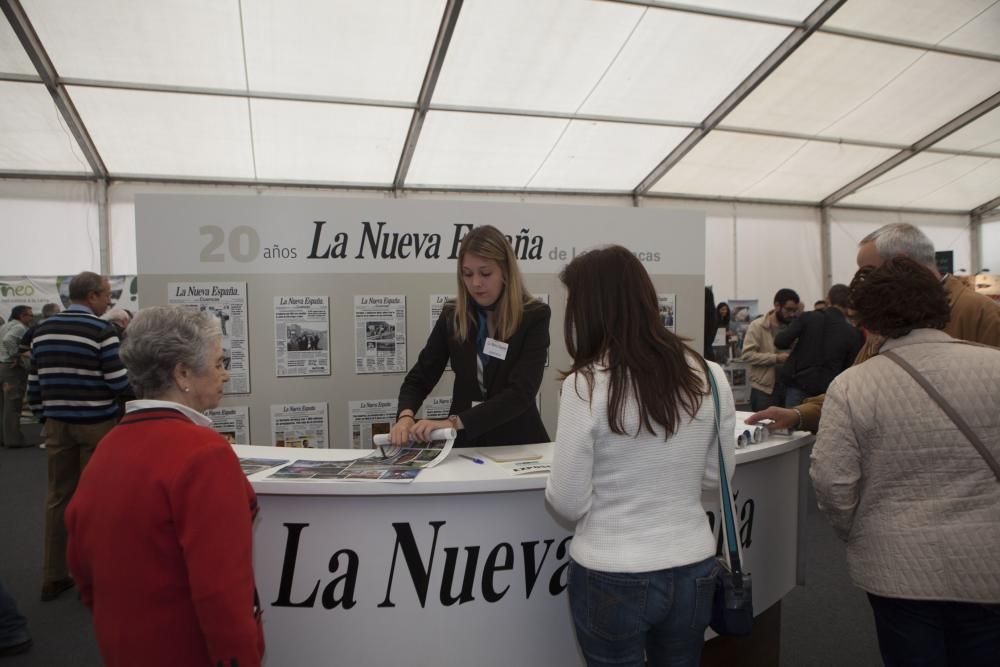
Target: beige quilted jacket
917 504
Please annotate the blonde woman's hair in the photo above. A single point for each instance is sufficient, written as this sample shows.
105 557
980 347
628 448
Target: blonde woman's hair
487 242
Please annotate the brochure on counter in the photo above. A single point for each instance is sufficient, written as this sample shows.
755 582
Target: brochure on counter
516 459
386 463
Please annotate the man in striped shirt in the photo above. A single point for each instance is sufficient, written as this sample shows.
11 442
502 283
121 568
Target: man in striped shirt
75 378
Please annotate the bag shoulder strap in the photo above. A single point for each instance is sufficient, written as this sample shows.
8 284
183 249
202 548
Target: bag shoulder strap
962 425
733 551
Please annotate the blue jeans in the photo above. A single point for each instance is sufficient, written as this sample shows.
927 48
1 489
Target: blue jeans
794 397
625 619
13 626
931 633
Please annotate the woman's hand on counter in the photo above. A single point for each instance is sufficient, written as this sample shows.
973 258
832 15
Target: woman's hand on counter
401 430
421 431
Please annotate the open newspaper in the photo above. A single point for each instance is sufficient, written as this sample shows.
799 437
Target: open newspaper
386 463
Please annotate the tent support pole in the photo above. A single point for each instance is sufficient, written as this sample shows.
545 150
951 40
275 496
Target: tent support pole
104 227
825 250
976 243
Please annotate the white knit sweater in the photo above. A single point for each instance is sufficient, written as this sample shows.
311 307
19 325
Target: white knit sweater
636 500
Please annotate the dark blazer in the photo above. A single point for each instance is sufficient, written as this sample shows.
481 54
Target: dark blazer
508 414
827 344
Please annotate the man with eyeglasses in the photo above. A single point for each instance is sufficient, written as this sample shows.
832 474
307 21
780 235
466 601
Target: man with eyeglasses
760 353
75 379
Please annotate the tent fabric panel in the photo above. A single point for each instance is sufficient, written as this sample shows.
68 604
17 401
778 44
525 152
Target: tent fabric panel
542 55
308 141
481 150
655 75
599 59
798 265
982 134
167 134
13 59
971 25
33 136
855 89
933 181
763 167
364 50
172 42
49 228
605 156
848 227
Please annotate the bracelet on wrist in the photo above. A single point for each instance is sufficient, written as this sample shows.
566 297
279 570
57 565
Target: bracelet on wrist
798 424
411 417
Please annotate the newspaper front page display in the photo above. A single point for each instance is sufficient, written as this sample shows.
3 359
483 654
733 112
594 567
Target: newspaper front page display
301 335
304 425
385 464
380 334
370 418
227 302
436 407
668 310
232 423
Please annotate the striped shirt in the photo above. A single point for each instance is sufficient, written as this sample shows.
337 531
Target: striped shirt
76 374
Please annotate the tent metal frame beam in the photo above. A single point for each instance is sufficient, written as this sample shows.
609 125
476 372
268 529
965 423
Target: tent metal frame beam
527 113
36 52
386 190
797 37
791 23
449 20
955 124
986 208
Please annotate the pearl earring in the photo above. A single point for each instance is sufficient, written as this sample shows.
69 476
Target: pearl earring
187 388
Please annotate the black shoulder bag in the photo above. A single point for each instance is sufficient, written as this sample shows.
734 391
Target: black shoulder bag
732 608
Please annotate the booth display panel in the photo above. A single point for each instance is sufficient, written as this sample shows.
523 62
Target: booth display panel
466 564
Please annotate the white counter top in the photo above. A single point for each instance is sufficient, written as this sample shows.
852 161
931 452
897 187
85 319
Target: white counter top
454 474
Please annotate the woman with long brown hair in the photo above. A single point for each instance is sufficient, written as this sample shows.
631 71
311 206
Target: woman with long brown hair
636 446
496 336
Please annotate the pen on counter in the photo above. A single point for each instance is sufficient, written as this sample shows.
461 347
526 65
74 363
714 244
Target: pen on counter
472 458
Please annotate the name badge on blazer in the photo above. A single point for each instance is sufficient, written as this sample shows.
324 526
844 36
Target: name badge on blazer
495 349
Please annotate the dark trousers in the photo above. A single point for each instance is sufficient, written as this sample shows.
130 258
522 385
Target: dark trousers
931 633
761 401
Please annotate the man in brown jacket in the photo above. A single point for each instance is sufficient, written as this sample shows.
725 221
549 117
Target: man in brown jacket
974 317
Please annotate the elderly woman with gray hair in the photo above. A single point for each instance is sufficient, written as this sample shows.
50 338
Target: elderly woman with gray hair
160 526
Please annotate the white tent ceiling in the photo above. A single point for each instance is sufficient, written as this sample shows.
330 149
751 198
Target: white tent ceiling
875 103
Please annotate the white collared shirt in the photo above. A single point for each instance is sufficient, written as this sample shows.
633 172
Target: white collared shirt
147 403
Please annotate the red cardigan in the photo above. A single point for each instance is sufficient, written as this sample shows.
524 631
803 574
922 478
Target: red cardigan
160 534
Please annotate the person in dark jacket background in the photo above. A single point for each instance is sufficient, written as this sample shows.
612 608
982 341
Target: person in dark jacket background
825 344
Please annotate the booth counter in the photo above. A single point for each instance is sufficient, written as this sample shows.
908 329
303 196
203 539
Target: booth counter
465 565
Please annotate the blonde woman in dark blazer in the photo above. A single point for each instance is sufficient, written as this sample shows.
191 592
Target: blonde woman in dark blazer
496 336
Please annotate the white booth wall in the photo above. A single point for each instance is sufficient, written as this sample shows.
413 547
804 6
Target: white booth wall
752 250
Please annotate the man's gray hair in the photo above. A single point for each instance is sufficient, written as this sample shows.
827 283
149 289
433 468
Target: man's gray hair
83 284
161 337
902 238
